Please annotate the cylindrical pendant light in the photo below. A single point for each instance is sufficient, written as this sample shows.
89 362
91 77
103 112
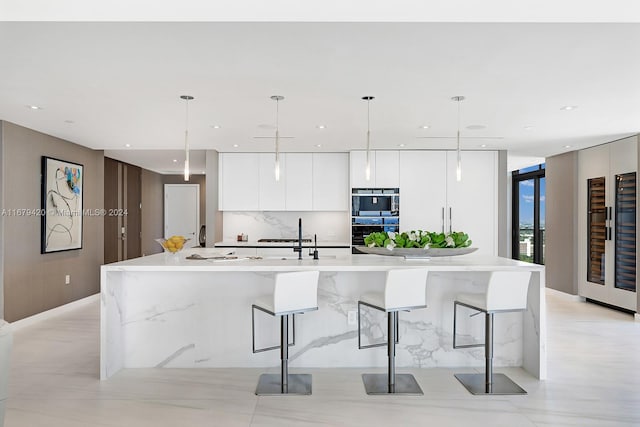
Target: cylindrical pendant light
458 99
277 98
186 98
367 169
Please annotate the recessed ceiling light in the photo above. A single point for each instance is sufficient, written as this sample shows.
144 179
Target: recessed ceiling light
321 127
175 161
424 127
318 145
127 145
400 145
216 126
34 107
528 127
569 107
483 145
235 145
476 127
567 146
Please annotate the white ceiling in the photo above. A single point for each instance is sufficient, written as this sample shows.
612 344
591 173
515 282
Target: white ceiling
120 83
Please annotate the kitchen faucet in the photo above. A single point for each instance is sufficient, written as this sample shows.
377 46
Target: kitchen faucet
299 248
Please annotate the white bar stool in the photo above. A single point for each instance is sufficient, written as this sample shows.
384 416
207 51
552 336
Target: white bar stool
506 291
295 292
404 290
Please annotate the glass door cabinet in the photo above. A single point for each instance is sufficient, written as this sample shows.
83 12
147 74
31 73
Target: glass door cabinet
625 232
607 224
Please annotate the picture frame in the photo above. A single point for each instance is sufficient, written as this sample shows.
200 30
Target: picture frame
62 211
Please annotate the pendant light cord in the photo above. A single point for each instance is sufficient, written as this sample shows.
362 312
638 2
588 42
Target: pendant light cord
186 129
277 129
368 126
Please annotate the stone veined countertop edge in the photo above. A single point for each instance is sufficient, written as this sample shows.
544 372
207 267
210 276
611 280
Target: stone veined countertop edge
160 262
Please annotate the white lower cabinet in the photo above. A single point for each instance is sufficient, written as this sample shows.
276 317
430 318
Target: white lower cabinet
432 199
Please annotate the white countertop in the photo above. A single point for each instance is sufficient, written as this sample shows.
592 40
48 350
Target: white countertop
164 262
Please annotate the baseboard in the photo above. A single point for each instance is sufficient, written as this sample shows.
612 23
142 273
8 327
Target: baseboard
36 318
564 295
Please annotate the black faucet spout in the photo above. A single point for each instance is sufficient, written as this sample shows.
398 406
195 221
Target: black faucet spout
299 238
298 248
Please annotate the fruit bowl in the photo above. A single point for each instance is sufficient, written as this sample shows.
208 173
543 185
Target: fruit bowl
173 245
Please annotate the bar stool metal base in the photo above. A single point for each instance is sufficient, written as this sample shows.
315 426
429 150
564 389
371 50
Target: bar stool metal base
270 385
376 384
502 384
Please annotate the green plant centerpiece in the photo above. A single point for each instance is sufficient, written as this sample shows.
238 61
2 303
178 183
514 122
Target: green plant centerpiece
418 239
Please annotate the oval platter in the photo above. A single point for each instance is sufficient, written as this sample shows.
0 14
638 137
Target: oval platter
416 252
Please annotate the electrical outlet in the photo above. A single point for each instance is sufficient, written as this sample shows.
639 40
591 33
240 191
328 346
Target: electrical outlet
352 317
67 279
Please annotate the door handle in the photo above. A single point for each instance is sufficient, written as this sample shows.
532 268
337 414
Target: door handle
450 220
443 220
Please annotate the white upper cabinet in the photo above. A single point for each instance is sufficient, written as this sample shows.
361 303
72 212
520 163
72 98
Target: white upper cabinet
357 165
387 170
330 181
272 193
472 202
423 190
239 176
308 181
298 181
432 199
384 169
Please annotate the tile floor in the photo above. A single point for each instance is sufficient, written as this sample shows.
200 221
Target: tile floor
594 380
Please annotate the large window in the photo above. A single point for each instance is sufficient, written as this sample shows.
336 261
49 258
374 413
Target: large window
528 236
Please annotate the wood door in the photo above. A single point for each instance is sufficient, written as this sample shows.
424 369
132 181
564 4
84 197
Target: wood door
112 239
123 218
132 214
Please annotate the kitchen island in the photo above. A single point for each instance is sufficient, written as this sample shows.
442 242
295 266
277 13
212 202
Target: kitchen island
168 311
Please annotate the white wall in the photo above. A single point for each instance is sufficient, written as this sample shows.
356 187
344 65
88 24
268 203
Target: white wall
329 226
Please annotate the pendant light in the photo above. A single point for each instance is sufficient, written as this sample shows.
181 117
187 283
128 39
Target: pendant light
277 98
367 169
458 99
186 98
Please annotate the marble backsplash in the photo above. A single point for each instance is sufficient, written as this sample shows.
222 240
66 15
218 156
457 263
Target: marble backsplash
329 226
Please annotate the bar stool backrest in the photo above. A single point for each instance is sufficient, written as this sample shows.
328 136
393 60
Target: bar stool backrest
406 288
507 290
297 290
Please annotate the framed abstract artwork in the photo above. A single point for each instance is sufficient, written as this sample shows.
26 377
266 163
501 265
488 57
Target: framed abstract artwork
62 184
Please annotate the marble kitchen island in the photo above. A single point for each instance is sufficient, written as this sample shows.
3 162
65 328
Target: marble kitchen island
162 311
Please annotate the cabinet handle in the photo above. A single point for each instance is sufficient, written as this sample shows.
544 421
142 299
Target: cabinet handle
443 220
450 220
609 230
